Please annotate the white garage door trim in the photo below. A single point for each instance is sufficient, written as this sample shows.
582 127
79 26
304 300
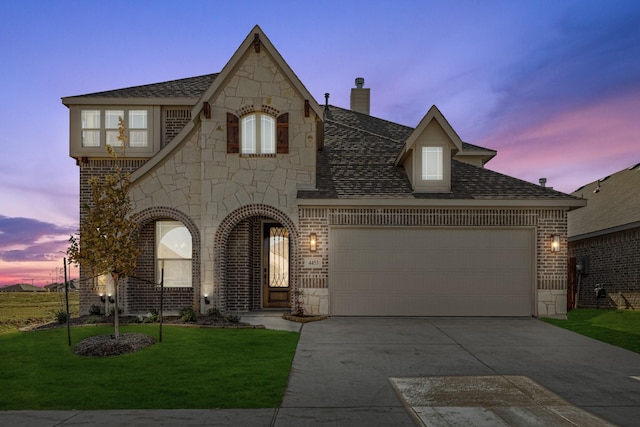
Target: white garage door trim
432 271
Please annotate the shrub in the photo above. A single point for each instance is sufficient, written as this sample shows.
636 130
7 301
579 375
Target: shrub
188 314
95 310
233 318
112 312
61 316
153 316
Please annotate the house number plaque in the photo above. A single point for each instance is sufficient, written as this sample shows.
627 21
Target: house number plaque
310 262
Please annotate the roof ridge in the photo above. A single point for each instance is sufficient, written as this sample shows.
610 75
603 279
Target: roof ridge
362 130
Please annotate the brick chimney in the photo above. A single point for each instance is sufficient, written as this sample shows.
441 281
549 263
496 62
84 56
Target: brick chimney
360 97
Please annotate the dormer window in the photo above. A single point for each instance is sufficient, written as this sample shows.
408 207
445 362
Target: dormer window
432 165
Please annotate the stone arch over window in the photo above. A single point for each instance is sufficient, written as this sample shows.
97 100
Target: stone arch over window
221 241
151 215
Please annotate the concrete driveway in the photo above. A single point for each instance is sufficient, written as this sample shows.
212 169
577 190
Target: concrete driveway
342 366
342 369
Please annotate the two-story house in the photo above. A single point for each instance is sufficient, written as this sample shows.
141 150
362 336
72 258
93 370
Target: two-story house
248 190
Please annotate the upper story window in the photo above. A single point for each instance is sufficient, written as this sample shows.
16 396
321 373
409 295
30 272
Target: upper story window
102 125
432 164
258 134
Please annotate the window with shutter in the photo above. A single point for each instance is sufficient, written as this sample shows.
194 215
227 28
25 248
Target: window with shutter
258 134
233 134
283 134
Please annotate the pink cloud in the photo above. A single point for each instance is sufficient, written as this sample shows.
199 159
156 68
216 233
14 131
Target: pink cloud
572 148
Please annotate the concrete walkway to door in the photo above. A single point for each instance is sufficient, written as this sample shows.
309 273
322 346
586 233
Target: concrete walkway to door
342 367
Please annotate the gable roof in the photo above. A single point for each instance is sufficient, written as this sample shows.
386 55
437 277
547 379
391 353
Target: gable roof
432 115
613 204
256 39
358 161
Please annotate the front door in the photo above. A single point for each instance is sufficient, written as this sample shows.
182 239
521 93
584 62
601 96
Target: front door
275 267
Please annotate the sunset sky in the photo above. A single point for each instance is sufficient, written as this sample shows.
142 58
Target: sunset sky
553 86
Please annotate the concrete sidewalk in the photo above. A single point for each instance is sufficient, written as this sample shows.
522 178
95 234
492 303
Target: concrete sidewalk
386 372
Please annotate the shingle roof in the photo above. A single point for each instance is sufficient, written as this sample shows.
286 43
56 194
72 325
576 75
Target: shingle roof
358 161
613 201
191 87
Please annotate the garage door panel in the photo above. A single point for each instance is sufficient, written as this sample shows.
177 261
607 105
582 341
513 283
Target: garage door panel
431 272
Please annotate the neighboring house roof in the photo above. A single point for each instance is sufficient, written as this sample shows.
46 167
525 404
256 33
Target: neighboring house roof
613 204
358 161
22 287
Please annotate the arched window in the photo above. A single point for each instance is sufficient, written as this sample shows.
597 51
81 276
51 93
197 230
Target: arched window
173 253
258 134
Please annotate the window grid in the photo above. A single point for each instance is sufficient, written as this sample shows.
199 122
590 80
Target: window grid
432 163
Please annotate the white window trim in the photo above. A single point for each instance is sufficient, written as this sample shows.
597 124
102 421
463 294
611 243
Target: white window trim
109 135
166 261
255 145
432 155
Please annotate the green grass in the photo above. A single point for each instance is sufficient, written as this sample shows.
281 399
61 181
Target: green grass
18 309
618 327
191 368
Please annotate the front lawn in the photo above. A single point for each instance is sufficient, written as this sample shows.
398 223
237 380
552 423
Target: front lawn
191 368
618 327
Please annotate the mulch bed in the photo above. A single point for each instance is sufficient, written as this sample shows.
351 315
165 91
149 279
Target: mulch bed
108 345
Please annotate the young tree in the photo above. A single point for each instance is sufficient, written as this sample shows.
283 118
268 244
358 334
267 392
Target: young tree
107 242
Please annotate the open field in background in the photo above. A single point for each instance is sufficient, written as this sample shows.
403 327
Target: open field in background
190 368
618 327
18 309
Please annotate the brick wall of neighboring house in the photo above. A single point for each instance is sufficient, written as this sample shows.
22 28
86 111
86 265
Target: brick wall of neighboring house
173 120
613 260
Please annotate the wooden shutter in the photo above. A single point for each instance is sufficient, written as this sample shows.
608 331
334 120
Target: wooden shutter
233 134
282 134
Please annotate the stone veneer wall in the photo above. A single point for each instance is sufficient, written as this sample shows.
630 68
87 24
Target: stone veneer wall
613 260
551 275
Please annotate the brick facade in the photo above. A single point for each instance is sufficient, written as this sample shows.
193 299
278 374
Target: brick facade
173 120
90 288
551 276
614 260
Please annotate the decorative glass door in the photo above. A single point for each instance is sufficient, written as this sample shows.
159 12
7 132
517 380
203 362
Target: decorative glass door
276 289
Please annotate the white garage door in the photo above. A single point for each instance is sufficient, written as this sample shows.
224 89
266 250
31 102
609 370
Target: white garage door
431 272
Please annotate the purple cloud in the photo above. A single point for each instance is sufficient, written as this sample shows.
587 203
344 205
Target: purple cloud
26 239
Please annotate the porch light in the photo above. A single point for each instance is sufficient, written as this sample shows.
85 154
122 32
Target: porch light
313 242
555 243
111 300
102 298
206 300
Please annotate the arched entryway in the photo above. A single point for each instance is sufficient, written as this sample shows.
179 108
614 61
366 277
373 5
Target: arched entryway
255 260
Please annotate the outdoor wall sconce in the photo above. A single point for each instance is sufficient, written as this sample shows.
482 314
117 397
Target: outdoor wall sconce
555 243
206 300
102 300
111 300
313 242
